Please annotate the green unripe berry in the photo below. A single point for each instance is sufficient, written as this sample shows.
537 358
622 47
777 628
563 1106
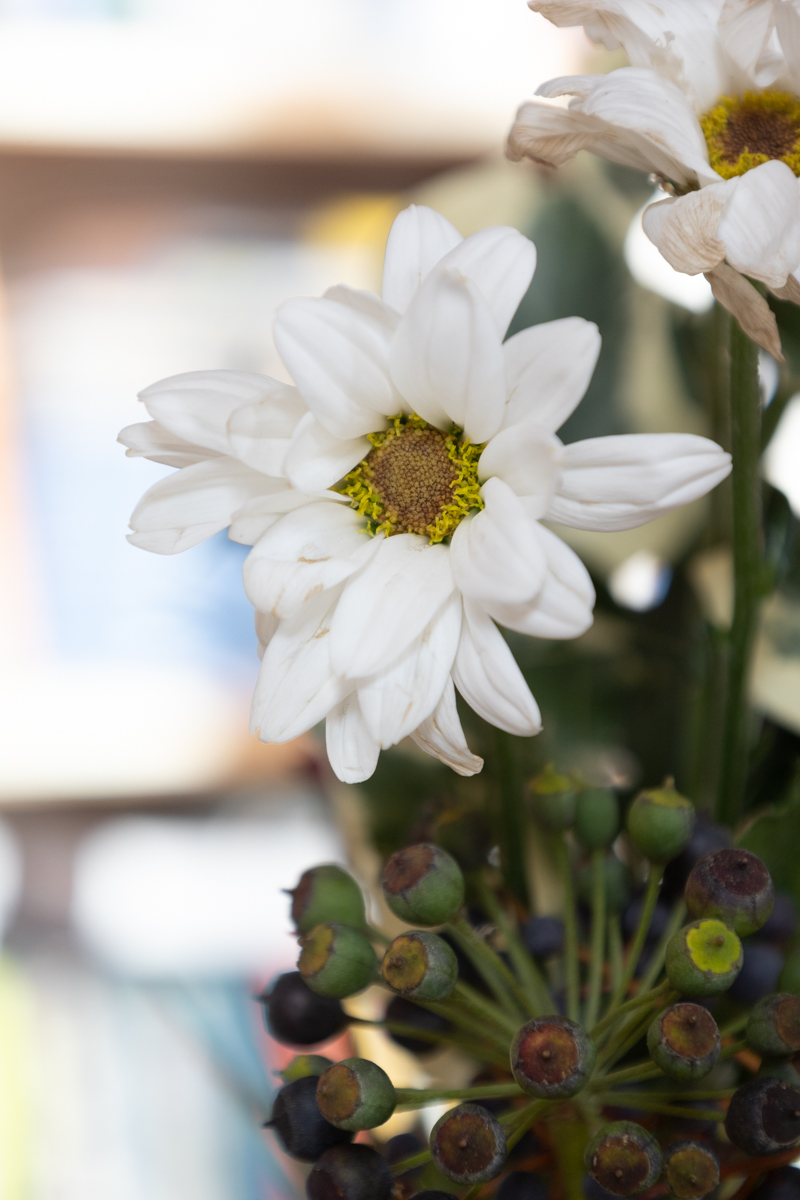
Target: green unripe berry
732 885
773 1027
691 1170
420 966
789 978
660 823
337 960
596 817
764 1116
617 883
684 1041
327 893
423 885
356 1094
468 1145
623 1158
304 1065
554 800
552 1057
703 958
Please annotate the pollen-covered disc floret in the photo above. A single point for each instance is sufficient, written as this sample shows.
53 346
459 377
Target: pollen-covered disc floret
742 133
416 479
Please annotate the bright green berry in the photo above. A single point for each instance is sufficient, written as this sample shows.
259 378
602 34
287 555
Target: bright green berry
684 1041
552 1057
420 966
596 817
623 1158
336 960
660 822
324 894
554 799
703 958
773 1027
732 885
423 885
356 1094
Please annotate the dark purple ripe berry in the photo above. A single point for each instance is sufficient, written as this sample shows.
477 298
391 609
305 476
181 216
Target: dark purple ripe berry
552 1057
782 922
764 1116
705 837
783 1184
522 1185
468 1145
301 1127
684 1041
544 936
691 1170
296 1016
732 885
326 893
429 1195
423 885
350 1173
623 1158
404 1012
761 969
773 1027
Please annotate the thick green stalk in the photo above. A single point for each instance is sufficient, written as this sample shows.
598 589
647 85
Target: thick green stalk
615 950
468 1044
676 919
637 1073
648 997
419 1097
747 571
651 895
598 937
526 1117
512 819
536 993
632 1031
477 1006
570 930
493 970
634 1100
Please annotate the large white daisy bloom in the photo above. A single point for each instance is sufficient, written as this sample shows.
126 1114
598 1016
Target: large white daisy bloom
394 497
711 106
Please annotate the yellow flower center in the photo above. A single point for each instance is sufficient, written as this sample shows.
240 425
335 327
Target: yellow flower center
415 479
744 133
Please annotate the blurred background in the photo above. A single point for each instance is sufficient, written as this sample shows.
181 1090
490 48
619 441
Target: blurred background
169 173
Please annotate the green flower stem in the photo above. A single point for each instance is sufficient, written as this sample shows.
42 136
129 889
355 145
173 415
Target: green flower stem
615 950
634 1029
676 919
570 930
482 1021
647 997
734 1026
473 1192
651 895
478 1006
660 1097
569 1139
598 937
535 991
733 1050
634 1100
491 967
486 1051
377 935
638 1073
512 819
412 1162
419 1097
527 1116
747 571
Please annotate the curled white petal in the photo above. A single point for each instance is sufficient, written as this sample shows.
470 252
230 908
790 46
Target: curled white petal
418 239
352 751
489 679
259 434
527 458
761 224
563 607
500 262
548 368
316 458
258 515
684 228
148 439
497 555
442 737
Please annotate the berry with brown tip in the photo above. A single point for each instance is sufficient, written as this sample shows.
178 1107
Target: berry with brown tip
420 966
732 885
337 960
298 1122
552 1057
326 893
691 1170
624 1158
356 1094
468 1145
773 1027
423 885
684 1041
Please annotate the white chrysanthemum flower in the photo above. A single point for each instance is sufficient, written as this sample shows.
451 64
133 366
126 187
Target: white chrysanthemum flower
710 105
393 498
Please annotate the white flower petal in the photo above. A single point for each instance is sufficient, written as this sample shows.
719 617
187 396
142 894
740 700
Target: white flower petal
761 224
563 608
388 604
259 434
366 303
442 737
191 505
258 515
787 23
395 701
620 482
745 27
497 555
500 261
548 368
296 686
307 552
684 228
316 458
748 306
266 628
417 240
489 679
337 356
197 405
148 439
527 458
352 751
447 357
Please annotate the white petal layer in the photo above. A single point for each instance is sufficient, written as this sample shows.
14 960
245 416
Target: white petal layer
442 737
150 440
527 458
748 306
352 751
563 608
395 701
259 434
500 262
296 687
787 23
308 551
620 482
337 356
489 679
388 604
685 228
316 458
191 505
496 555
258 515
548 368
196 406
447 357
266 628
417 240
